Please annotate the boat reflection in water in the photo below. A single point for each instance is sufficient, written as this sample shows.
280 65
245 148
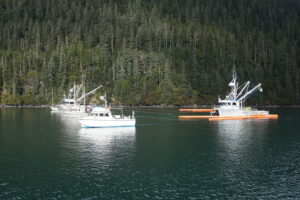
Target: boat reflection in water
241 142
107 144
104 135
241 134
69 122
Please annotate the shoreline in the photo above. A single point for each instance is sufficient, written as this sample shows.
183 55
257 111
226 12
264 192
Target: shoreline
153 106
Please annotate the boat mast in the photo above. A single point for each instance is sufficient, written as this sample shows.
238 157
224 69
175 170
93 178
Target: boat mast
83 83
52 96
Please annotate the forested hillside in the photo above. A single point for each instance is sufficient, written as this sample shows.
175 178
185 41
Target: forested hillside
148 52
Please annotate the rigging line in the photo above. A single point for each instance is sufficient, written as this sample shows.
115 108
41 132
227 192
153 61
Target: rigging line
150 117
173 116
242 85
160 113
156 124
152 111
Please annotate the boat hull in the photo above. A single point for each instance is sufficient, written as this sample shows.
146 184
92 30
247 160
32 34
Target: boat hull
54 108
99 123
240 112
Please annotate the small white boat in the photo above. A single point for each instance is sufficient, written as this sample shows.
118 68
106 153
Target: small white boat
101 117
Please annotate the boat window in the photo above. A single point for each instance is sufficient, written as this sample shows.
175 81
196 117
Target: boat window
234 104
101 114
106 115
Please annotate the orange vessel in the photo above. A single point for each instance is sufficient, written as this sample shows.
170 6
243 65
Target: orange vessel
218 118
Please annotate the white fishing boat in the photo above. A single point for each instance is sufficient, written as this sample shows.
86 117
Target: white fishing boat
72 104
233 104
101 117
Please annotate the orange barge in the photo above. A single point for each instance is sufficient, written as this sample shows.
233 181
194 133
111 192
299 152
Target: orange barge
218 118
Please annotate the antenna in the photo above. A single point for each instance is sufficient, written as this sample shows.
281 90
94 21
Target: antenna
52 95
234 73
83 84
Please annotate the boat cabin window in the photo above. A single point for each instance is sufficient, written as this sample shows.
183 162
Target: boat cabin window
234 104
100 114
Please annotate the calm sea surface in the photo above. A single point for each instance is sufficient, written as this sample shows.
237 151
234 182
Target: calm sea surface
44 155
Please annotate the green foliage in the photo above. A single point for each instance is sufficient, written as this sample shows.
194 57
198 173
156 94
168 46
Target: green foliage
148 52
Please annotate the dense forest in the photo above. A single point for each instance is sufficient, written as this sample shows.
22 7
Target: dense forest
149 52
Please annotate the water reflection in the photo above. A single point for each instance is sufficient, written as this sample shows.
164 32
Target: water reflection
69 122
236 136
241 144
106 145
104 136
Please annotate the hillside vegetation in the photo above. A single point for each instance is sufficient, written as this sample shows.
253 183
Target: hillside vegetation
148 52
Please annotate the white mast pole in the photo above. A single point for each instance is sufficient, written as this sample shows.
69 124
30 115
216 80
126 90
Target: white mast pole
83 82
52 95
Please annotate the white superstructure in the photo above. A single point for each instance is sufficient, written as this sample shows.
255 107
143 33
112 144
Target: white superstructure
101 117
73 103
233 104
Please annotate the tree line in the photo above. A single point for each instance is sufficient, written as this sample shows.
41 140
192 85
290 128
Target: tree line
173 52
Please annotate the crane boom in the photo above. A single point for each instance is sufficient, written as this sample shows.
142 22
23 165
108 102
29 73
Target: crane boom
87 94
250 92
242 90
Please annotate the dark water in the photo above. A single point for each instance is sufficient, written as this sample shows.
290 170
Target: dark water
48 156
